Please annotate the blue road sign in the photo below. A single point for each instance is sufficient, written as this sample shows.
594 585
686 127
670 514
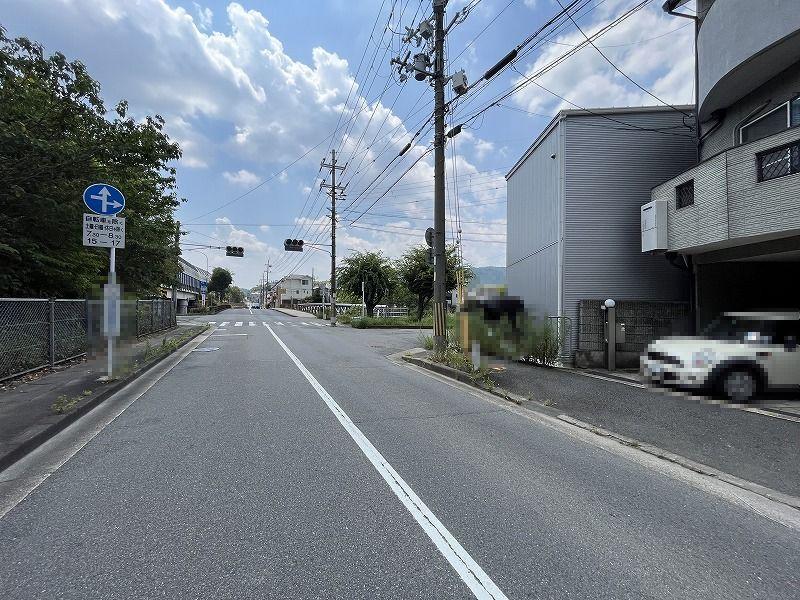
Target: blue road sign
203 287
103 199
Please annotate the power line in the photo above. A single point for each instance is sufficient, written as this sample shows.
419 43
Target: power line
620 71
421 156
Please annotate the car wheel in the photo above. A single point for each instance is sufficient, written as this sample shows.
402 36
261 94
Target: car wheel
739 385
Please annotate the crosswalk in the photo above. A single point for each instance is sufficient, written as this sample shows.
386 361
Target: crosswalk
265 323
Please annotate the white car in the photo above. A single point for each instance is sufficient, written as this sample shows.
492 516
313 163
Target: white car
739 356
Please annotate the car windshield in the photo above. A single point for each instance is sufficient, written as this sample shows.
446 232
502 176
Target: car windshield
726 327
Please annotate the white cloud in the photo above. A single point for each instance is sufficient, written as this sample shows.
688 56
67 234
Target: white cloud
588 80
242 177
215 77
204 15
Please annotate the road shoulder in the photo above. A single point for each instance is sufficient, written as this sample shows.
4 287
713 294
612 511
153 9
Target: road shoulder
642 444
44 407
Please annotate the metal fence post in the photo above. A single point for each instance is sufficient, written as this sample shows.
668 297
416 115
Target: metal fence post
152 316
52 331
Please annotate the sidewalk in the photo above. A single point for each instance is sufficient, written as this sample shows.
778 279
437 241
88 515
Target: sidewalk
27 413
294 313
756 447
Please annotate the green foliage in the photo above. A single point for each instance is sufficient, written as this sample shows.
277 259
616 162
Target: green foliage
374 270
316 295
391 322
63 404
220 280
426 341
416 275
532 339
234 295
56 138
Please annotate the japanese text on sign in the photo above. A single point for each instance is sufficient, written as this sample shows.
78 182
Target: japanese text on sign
103 231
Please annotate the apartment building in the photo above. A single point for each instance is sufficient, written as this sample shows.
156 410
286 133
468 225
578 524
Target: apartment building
734 217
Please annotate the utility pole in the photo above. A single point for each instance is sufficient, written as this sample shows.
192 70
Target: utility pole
439 259
333 189
175 280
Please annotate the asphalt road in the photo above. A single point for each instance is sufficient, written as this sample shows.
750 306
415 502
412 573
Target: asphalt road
297 461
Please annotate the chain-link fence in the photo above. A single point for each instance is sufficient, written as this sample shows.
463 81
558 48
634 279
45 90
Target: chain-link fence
36 332
154 315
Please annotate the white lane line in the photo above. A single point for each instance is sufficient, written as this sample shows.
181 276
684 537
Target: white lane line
470 572
264 323
224 323
252 324
221 329
237 324
212 322
279 323
250 309
226 334
307 324
292 324
318 325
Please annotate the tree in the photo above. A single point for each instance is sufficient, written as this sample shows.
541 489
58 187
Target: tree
220 281
57 138
316 295
235 295
416 275
374 270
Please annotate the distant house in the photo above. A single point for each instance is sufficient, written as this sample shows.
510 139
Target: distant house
293 289
574 201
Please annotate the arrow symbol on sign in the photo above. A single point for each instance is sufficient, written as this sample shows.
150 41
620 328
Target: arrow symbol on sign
103 195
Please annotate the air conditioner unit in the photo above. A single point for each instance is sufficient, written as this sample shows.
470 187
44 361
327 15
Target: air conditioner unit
654 226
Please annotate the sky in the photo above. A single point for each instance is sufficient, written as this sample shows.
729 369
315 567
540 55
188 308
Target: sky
258 92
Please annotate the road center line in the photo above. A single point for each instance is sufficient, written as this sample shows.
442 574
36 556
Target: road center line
470 572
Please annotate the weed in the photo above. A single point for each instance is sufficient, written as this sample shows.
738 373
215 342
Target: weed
87 392
425 340
64 404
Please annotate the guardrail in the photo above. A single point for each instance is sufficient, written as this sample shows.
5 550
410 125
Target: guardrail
381 310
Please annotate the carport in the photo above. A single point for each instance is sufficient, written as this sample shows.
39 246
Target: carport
761 276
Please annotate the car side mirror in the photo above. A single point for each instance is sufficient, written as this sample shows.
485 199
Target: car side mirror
790 343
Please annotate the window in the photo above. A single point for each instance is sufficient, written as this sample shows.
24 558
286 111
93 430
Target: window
784 116
684 194
304 282
778 162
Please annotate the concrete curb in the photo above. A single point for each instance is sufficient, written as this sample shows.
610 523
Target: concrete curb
700 468
46 432
464 378
687 463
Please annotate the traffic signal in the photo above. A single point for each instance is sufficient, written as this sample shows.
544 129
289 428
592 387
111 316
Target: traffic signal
293 245
234 251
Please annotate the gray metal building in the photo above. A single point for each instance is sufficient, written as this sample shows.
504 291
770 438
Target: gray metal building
574 201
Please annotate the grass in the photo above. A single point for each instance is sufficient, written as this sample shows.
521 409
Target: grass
455 359
425 341
389 322
64 404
